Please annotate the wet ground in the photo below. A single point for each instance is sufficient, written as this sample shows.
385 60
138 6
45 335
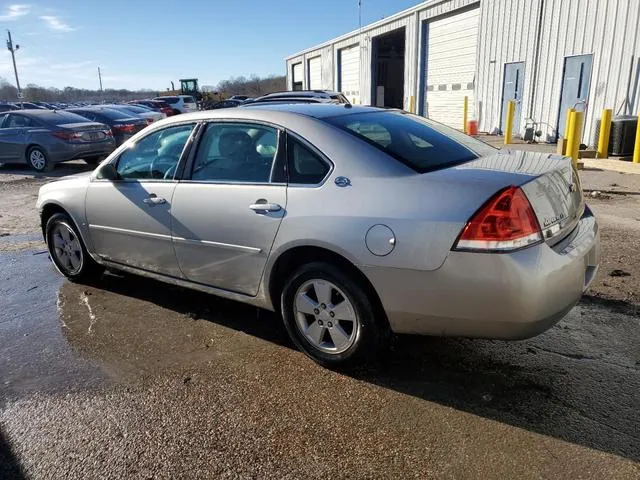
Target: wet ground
136 379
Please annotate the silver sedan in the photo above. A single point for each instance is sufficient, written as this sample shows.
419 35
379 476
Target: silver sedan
353 222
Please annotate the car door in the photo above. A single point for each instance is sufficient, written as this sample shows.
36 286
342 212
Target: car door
130 217
13 137
228 209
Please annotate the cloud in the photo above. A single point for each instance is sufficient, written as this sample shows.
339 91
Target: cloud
13 12
57 24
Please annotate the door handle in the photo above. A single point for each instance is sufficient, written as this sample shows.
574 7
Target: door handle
262 206
153 199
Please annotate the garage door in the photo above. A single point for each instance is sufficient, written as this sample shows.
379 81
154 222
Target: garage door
297 76
315 73
349 72
450 67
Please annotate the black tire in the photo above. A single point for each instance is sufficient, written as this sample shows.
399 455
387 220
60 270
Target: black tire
93 161
35 155
373 331
88 269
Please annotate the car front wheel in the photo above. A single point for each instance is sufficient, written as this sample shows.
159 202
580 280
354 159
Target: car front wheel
330 316
67 250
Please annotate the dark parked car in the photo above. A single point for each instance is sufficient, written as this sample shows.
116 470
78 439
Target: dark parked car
122 126
156 105
230 103
7 107
42 138
28 105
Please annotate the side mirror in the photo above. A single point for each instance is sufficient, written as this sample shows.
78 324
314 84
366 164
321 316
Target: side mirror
108 172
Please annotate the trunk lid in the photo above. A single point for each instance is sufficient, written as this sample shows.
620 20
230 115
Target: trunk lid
549 181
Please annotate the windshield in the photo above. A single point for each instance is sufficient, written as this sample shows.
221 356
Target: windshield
61 118
418 143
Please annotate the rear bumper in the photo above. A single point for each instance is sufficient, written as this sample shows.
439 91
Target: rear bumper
71 151
487 295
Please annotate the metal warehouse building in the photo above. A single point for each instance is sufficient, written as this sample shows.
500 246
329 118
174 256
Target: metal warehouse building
548 55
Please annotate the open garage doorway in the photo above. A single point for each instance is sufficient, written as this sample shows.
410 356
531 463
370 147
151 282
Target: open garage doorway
388 69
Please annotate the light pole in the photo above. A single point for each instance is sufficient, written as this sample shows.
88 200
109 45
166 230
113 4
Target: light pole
11 48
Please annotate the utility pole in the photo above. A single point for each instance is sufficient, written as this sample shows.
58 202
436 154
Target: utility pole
101 91
13 57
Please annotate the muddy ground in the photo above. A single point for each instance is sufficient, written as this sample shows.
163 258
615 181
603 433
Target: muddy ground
133 378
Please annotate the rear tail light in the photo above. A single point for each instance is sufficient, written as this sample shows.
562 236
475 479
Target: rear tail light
505 222
68 136
124 128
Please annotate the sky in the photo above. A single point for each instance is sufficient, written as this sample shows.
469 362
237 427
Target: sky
146 43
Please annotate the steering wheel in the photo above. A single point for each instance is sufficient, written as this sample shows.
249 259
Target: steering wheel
169 163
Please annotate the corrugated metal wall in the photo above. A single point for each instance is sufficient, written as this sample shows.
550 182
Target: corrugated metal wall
607 29
410 20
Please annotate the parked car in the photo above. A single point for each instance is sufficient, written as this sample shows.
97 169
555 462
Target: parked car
303 96
182 103
156 105
353 222
149 115
230 103
28 106
46 105
42 138
7 107
239 97
122 126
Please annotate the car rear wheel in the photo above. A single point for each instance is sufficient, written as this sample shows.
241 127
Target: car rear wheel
67 250
93 160
37 159
330 317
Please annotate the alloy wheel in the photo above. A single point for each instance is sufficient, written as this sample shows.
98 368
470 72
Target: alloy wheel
66 248
37 159
325 316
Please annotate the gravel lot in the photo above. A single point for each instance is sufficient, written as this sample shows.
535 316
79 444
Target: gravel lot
132 378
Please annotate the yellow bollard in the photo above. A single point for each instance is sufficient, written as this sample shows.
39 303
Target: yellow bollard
567 126
465 113
575 135
605 133
412 104
636 148
508 131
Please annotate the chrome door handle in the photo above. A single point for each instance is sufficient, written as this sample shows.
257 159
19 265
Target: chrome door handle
152 200
265 207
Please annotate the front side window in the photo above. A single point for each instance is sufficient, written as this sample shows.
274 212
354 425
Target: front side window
419 143
236 152
305 166
156 156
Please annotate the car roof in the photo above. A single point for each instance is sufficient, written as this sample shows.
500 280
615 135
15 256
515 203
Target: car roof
316 110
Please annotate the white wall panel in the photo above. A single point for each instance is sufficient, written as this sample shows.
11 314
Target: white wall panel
451 66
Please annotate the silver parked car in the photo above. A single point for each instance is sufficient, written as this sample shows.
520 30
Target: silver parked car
42 138
353 222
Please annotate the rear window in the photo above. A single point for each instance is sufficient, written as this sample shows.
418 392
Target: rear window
111 114
188 100
60 118
419 143
171 100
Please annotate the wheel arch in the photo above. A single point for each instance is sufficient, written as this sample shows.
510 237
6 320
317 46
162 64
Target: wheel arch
293 258
51 208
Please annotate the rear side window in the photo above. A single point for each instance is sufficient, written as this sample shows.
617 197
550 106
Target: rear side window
188 100
171 100
418 143
305 166
16 121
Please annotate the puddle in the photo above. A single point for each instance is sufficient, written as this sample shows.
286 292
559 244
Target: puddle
34 353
